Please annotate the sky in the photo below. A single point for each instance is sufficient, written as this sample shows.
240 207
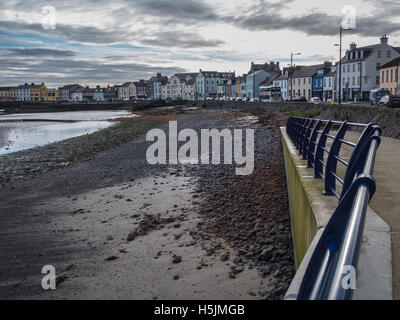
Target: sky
110 42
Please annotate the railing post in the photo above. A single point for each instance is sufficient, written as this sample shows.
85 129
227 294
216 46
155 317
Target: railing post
301 136
306 142
298 133
331 163
312 144
356 164
319 153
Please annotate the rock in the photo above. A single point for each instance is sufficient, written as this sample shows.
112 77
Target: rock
266 254
176 259
175 277
265 271
225 256
112 258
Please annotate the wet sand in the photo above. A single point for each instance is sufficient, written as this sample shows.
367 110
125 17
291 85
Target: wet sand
79 218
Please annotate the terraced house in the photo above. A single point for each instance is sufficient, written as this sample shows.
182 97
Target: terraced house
8 93
180 86
207 82
126 91
389 78
361 68
65 92
302 80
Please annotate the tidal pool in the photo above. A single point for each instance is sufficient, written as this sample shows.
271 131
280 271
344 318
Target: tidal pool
21 136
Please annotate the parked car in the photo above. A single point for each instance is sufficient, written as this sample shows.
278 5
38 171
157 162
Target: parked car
315 100
376 95
246 99
300 99
390 101
238 99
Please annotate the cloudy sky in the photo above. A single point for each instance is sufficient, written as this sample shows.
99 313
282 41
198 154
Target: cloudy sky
107 42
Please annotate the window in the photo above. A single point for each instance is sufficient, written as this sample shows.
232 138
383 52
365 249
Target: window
391 75
354 68
383 76
354 81
348 68
377 80
344 69
379 54
389 54
387 75
378 65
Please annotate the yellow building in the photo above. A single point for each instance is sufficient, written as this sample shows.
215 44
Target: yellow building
52 95
389 76
38 92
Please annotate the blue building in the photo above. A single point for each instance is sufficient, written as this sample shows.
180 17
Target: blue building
318 80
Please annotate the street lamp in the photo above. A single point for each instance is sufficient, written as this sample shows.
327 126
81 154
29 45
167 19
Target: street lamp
340 63
291 72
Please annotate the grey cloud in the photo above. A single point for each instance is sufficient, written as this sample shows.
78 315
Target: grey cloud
179 10
68 70
181 39
40 52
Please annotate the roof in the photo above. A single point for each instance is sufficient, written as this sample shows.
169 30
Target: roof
126 84
79 90
269 81
394 63
183 76
282 77
8 88
191 82
215 74
69 86
307 71
257 72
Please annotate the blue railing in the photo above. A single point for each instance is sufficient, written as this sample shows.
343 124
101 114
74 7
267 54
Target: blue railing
339 245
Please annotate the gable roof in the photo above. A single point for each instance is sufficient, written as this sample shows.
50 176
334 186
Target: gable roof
307 71
394 63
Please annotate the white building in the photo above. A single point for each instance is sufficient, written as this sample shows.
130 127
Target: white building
24 93
360 68
77 95
179 85
282 82
126 91
329 91
208 81
188 89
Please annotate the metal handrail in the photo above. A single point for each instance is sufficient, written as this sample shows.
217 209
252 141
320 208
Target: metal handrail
339 245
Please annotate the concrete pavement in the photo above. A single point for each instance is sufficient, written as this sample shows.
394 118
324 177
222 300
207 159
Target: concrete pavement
386 201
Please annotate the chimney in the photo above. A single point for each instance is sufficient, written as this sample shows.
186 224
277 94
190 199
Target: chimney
384 39
353 46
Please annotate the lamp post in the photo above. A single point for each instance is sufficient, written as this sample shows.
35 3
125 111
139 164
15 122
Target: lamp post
340 62
291 72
